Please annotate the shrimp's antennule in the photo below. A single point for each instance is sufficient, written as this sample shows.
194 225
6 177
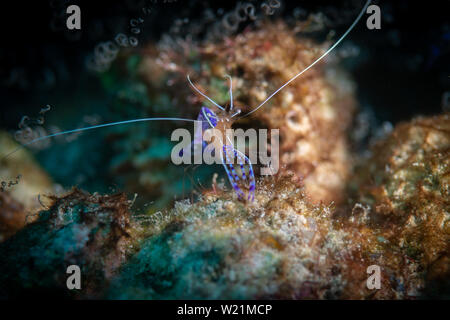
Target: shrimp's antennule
204 95
91 128
231 91
317 60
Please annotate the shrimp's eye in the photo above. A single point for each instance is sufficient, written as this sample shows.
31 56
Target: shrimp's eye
209 118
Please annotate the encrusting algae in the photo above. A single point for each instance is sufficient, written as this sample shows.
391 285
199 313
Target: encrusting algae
406 187
221 248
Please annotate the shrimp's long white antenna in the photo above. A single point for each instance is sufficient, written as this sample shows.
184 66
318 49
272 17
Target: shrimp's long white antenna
91 128
236 113
204 95
317 60
231 92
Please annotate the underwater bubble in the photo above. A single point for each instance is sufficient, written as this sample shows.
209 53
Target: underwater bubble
102 54
24 122
146 11
268 10
111 47
249 10
228 22
274 3
121 39
136 30
240 13
134 23
133 41
45 109
99 49
27 134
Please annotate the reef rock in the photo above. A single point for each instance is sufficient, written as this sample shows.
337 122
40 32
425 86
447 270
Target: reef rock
90 231
404 189
281 246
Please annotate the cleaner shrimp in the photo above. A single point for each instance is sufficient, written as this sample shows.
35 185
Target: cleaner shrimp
242 181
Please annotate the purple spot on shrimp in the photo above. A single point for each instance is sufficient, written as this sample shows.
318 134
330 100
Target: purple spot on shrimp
207 117
234 177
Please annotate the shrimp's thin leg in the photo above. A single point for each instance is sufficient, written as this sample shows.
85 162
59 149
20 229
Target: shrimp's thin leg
251 175
231 177
234 177
231 92
317 60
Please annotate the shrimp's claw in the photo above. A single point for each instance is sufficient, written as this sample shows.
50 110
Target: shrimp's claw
242 179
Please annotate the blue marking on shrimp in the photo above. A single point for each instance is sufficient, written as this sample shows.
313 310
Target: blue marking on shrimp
208 118
231 178
229 162
234 177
